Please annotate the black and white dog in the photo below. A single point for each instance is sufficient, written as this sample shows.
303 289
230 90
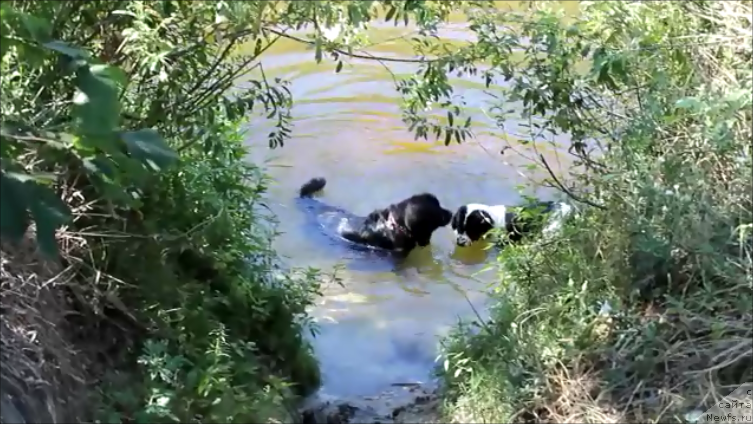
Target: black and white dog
399 227
474 221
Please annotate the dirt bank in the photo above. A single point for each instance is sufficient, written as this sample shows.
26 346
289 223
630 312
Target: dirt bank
403 403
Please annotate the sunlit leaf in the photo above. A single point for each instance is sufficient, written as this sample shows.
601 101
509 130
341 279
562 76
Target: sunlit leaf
96 102
113 73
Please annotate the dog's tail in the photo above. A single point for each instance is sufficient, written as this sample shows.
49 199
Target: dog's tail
312 186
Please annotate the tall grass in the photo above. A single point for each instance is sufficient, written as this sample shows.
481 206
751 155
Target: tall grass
642 311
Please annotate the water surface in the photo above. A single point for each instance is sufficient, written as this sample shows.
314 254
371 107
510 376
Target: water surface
381 328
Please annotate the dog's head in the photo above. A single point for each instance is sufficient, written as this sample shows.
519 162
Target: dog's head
471 223
422 214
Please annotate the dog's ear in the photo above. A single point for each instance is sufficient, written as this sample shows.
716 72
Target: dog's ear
446 217
459 218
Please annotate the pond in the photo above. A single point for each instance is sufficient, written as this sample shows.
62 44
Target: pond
381 328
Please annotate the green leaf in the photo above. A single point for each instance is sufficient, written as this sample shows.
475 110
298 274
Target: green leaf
135 168
739 98
113 73
149 147
5 42
87 145
257 48
96 102
688 103
318 51
100 165
49 213
67 49
44 178
114 193
339 67
38 29
14 219
390 14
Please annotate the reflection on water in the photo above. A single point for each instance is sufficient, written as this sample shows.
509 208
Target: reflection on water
380 328
478 253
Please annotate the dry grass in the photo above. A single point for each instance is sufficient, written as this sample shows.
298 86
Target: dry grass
42 374
703 346
61 333
686 377
676 265
702 359
578 398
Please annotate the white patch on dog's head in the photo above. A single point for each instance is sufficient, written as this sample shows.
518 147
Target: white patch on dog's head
473 221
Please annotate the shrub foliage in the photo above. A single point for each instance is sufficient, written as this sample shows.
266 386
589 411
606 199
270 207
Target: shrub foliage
642 311
121 153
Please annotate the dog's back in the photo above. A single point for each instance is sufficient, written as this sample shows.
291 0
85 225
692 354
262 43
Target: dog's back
560 212
330 221
544 216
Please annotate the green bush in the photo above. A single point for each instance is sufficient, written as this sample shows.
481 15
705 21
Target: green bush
121 152
229 319
176 299
642 311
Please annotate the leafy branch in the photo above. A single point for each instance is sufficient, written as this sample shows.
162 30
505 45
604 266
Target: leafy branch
339 51
112 156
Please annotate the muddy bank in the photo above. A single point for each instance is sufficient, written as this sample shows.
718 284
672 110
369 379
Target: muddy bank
402 403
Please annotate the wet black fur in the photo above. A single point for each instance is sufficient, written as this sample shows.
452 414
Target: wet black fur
399 227
518 223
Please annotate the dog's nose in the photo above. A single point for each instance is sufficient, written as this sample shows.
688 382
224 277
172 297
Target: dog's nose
461 242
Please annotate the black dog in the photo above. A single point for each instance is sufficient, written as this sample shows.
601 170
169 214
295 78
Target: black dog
398 227
472 222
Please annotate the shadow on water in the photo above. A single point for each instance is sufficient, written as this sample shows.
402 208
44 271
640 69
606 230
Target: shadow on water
381 326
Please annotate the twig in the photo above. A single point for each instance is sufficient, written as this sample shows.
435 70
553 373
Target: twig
565 189
30 138
481 321
206 95
210 71
354 55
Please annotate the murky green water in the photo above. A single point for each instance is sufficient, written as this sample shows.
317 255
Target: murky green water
381 327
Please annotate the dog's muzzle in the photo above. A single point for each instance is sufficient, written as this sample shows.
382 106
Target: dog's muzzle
463 240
